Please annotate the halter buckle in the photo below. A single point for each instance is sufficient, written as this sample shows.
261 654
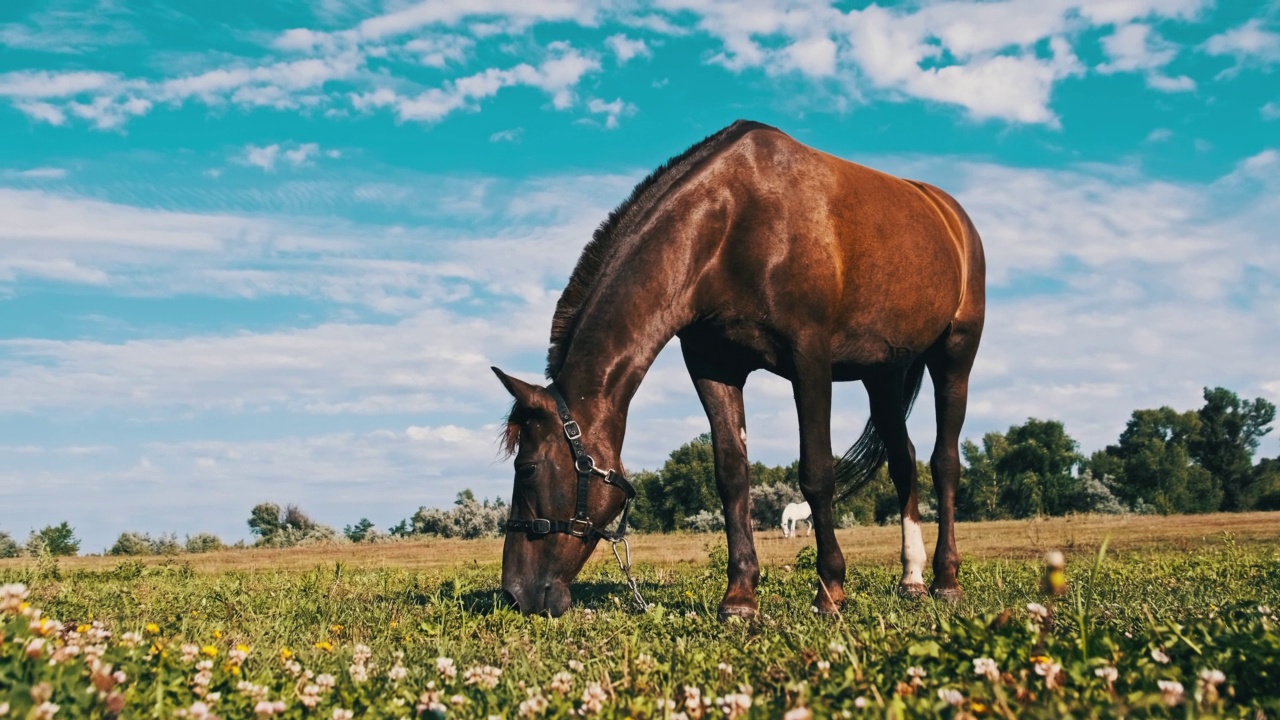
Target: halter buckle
539 526
579 528
572 431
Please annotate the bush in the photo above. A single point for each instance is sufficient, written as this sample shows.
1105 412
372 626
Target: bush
131 543
469 518
707 521
1096 497
285 528
9 548
166 545
203 543
768 502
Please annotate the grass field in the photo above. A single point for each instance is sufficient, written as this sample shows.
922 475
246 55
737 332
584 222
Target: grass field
1179 619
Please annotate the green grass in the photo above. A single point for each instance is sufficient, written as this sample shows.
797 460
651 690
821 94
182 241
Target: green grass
1200 608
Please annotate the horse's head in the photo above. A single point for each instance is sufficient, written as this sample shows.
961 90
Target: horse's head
551 541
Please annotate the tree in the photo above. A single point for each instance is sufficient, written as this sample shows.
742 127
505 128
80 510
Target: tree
1152 464
265 520
468 518
56 540
1230 429
1026 472
203 543
684 487
1266 484
359 531
9 547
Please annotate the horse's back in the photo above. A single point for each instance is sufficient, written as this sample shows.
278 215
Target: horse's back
811 240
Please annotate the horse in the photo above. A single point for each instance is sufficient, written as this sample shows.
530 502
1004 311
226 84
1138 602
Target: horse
758 253
794 513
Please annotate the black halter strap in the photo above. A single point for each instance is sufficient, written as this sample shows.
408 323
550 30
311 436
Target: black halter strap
580 525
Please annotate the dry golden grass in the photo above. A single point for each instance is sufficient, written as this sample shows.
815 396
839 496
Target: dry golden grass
1005 539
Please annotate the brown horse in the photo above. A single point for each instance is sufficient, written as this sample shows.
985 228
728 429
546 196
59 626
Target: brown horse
758 252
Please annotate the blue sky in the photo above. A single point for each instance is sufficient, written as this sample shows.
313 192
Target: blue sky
268 251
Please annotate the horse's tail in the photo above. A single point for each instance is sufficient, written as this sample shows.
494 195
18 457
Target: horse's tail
861 461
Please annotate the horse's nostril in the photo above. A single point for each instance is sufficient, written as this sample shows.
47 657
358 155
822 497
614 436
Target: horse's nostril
511 600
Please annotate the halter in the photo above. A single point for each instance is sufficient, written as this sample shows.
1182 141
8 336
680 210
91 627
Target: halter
580 525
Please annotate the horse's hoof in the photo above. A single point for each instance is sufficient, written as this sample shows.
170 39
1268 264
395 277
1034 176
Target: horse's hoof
951 594
742 612
912 591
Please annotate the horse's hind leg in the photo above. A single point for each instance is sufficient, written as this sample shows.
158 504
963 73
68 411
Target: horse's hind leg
888 413
811 383
949 365
723 404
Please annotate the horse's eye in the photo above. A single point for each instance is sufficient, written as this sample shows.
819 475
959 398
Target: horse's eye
524 471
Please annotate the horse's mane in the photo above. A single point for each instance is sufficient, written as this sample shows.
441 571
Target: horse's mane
606 239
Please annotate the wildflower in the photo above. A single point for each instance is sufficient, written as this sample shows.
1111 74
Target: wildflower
735 705
576 666
41 692
152 629
44 711
725 669
978 706
209 651
310 696
646 663
1159 656
12 597
446 668
362 654
198 711
593 699
486 676
266 708
1207 684
535 705
325 646
397 673
293 667
130 639
458 701
1055 577
694 704
917 675
861 702
951 696
799 713
986 667
1172 691
341 714
824 668
190 652
836 648
1049 670
217 634
286 654
1107 673
1039 613
238 655
4 707
358 672
562 683
326 681
34 648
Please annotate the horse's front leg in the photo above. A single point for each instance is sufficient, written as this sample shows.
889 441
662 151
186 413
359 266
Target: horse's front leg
723 403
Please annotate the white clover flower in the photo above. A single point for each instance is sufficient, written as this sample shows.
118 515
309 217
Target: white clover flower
576 666
45 711
310 696
645 663
362 654
533 706
130 639
1107 673
1172 691
824 668
190 652
458 700
34 648
358 672
326 681
725 669
4 709
1212 677
397 673
341 714
12 596
917 675
198 711
445 668
798 713
1049 670
485 676
562 683
951 696
1038 611
861 702
987 668
1159 656
694 704
593 699
734 705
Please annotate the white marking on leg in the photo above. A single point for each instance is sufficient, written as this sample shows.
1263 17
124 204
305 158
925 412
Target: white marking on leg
742 433
913 556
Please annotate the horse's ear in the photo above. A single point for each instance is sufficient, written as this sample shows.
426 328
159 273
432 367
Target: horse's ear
523 392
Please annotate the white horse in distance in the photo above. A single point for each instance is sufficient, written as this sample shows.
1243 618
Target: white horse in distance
794 513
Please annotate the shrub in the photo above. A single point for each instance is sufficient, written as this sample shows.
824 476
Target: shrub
469 518
707 521
360 531
768 501
203 543
131 543
166 545
286 528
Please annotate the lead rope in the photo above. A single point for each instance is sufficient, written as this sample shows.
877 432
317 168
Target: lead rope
625 566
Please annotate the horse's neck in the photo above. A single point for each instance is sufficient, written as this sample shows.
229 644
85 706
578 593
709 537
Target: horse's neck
632 314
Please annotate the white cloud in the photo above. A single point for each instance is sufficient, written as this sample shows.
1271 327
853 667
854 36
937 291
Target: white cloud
508 135
1270 111
298 155
41 173
625 49
611 110
1248 44
451 12
262 157
440 51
